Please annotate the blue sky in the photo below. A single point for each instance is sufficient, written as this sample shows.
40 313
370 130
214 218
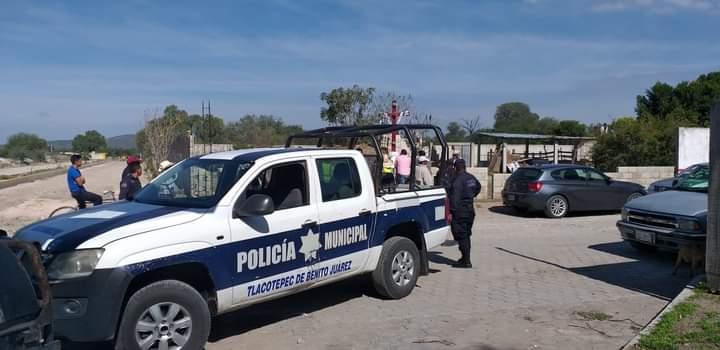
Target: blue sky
69 67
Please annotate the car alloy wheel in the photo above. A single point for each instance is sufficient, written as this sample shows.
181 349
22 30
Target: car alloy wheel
163 326
403 268
558 207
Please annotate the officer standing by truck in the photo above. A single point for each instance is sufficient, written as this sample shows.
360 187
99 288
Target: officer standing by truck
462 191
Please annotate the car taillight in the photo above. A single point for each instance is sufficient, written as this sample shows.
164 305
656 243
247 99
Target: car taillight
447 210
535 186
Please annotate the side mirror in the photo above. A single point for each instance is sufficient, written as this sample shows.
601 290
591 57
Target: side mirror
255 205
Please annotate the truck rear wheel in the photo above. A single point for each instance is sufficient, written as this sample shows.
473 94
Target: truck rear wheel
164 315
397 271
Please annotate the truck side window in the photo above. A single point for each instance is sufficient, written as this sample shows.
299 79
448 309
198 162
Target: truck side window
286 184
339 178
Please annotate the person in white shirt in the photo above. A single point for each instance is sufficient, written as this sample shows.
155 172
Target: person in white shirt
423 176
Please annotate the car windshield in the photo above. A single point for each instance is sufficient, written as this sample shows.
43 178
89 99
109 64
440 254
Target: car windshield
193 183
697 181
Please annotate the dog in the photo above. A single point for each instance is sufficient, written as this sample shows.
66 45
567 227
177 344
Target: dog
693 254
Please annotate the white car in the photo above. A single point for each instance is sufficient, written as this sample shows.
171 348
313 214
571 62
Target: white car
218 232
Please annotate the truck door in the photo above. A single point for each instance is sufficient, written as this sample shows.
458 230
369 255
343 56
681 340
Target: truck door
274 251
346 211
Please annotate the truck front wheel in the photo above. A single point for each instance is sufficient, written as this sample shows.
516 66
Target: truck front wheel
164 315
397 271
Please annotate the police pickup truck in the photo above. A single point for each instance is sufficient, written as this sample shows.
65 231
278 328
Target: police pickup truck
225 230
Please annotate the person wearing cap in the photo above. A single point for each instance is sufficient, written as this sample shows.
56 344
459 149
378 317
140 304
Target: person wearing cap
423 176
131 182
462 191
130 161
165 165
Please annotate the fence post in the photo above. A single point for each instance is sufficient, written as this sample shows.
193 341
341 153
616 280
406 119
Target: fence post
712 259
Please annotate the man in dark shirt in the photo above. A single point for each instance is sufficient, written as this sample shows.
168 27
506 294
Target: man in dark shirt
130 161
131 182
76 184
462 192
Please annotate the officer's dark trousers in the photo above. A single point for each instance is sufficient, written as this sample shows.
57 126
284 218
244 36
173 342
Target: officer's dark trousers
84 197
461 227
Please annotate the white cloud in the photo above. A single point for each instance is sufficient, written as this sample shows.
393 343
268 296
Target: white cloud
655 6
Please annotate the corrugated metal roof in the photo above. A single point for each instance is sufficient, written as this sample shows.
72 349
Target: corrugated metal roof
504 135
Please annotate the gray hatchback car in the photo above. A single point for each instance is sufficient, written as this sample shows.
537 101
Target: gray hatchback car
559 189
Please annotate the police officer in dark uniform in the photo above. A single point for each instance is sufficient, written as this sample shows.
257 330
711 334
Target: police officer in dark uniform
130 184
462 190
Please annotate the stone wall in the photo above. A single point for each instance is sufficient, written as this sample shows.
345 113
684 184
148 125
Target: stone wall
493 185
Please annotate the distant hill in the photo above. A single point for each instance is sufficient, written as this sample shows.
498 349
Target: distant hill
61 145
115 142
122 142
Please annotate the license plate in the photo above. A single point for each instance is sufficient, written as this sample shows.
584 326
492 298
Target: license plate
645 236
511 197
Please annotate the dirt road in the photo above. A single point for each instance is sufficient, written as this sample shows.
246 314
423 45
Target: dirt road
26 203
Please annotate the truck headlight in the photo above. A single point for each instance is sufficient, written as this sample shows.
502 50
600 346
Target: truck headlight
688 225
624 214
79 263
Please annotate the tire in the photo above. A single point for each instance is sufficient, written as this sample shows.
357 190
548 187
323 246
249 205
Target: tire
633 196
643 248
62 210
160 299
398 268
556 207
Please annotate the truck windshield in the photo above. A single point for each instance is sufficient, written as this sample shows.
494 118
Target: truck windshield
697 181
193 183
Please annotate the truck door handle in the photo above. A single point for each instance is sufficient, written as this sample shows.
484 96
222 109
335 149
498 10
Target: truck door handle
309 223
365 212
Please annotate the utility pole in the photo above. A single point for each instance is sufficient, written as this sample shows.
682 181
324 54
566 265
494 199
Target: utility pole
209 129
393 117
712 259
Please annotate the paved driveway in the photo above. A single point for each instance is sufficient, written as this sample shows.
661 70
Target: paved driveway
537 284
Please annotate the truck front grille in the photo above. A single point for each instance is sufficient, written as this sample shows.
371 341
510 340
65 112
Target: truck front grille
654 220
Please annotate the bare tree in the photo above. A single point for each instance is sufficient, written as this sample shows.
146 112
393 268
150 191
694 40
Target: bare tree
471 125
160 133
381 104
713 228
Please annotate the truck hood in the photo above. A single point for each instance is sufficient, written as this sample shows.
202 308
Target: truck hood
67 232
672 202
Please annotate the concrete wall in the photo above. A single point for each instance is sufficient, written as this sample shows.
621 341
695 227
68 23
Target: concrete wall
482 175
642 175
493 185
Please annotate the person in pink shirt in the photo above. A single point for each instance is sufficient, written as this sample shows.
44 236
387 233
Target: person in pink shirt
402 167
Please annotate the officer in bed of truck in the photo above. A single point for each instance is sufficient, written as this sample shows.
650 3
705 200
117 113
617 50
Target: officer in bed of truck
462 190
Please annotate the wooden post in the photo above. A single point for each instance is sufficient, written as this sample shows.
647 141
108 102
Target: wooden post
712 259
555 153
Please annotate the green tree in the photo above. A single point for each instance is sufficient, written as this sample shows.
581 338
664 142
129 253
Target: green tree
89 142
207 129
260 131
455 133
570 128
547 126
515 117
348 106
22 145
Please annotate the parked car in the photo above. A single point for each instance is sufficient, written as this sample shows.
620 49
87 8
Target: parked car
670 218
560 189
667 184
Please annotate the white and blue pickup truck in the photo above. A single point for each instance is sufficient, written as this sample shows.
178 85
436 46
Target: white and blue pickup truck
221 231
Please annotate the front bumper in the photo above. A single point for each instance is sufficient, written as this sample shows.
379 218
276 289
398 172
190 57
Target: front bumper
528 201
667 239
88 309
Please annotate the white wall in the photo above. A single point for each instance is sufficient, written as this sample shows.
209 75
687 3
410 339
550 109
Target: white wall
693 146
